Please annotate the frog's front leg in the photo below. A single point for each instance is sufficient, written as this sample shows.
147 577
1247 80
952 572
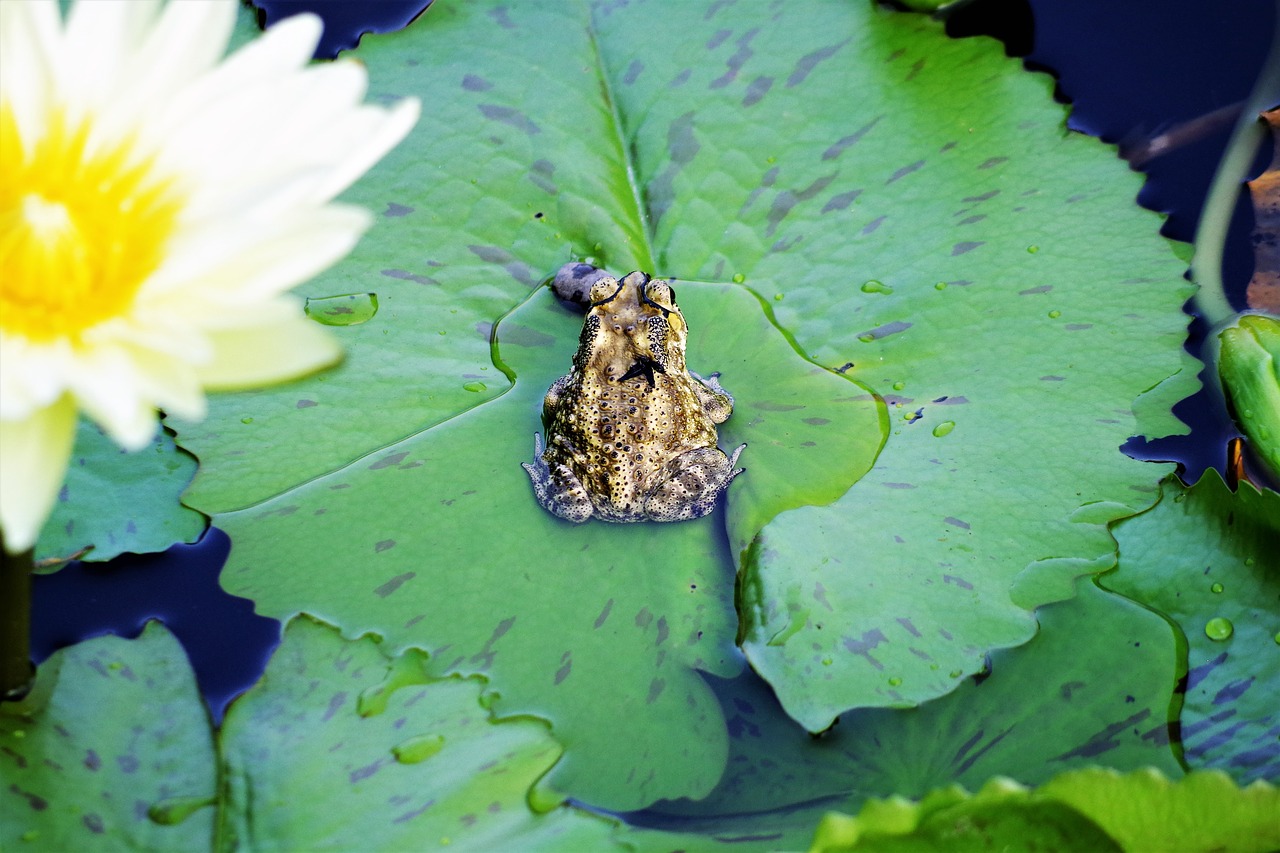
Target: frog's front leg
716 402
558 489
551 401
690 484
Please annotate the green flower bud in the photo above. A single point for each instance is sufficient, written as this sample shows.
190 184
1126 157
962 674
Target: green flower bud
1249 367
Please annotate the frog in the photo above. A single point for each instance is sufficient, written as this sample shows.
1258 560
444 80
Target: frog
631 432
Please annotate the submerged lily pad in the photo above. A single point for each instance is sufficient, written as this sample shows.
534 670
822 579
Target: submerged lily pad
437 542
111 728
114 749
1208 560
415 762
1043 708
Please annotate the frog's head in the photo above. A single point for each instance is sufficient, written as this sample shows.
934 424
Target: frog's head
633 328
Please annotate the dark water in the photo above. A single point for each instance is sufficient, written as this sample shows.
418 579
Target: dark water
1131 70
228 643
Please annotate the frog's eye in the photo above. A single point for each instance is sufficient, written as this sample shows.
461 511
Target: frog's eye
605 290
660 295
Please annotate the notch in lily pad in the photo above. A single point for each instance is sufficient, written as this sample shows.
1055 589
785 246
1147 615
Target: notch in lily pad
346 309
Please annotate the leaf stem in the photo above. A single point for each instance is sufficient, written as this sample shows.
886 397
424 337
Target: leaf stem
16 671
1215 219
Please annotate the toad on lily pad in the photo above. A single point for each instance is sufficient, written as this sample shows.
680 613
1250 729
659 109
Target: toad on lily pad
631 433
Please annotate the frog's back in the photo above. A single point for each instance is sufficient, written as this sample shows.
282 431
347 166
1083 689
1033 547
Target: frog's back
618 437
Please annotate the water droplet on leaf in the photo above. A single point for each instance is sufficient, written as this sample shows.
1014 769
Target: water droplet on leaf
866 338
1217 587
1031 250
474 386
942 285
1219 628
943 428
1055 314
895 681
347 309
899 385
417 749
739 278
874 286
246 420
777 297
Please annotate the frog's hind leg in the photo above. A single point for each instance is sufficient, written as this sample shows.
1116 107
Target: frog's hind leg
693 481
558 489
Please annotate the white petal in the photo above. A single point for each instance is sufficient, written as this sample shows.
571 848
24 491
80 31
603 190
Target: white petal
284 48
188 40
248 357
241 263
378 139
101 38
30 376
35 452
109 388
30 37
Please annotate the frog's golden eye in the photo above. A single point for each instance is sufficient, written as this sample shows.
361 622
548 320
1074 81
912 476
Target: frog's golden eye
660 295
605 290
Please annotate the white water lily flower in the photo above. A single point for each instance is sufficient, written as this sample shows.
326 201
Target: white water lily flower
156 202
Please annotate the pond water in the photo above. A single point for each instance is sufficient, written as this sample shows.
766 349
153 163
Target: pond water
1131 70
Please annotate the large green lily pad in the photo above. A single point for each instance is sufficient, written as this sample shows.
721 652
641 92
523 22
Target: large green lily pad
437 542
916 216
1207 558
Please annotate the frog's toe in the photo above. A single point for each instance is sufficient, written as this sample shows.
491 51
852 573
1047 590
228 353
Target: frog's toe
695 480
558 491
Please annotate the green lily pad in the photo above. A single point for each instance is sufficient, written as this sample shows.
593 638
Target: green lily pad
1080 810
913 212
415 762
115 502
114 750
1206 558
1043 708
112 728
437 542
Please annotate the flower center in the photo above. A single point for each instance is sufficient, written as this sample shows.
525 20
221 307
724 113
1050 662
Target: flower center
81 229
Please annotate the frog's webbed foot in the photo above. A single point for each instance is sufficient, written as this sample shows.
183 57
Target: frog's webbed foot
692 482
557 489
716 402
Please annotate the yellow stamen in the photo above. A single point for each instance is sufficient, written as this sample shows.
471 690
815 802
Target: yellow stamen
81 229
